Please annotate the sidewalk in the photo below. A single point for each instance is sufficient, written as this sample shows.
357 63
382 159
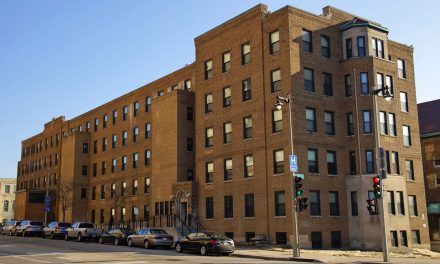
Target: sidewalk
338 256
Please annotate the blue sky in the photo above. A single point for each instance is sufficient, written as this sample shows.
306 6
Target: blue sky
60 57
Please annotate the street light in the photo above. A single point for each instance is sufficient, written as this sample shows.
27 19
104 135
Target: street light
384 92
295 242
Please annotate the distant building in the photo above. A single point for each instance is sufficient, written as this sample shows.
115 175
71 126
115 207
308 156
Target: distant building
205 146
429 119
7 199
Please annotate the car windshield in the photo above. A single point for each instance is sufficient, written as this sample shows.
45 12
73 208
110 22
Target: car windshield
18 223
218 236
127 230
36 223
64 225
158 231
86 225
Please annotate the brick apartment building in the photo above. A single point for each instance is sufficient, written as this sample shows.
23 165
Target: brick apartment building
430 140
7 199
206 144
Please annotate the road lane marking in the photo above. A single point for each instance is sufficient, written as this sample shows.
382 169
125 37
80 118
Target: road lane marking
41 261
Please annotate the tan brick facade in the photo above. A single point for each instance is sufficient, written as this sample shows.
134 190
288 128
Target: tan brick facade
178 176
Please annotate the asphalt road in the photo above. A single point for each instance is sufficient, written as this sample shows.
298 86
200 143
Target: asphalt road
33 250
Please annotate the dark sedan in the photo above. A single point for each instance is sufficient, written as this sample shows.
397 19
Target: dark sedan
116 236
55 229
206 243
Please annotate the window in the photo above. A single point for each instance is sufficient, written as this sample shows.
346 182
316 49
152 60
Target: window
379 80
103 167
274 39
354 204
227 132
227 96
245 53
114 116
383 123
94 169
412 204
104 144
248 166
350 124
95 146
347 79
8 188
102 191
227 169
329 118
95 128
312 160
113 165
114 139
189 174
316 240
369 161
187 85
315 203
209 208
147 130
160 93
280 203
400 204
277 121
6 206
325 46
124 138
394 242
281 238
327 84
361 46
83 193
348 48
334 203
146 185
365 89
389 83
229 206
189 113
226 61
189 144
401 70
403 239
307 40
392 124
113 190
124 163
406 136
208 103
309 80
415 236
85 148
311 119
208 69
148 104
134 187
124 112
209 137
409 170
123 188
275 81
377 45
332 167
94 193
367 122
249 210
147 157
247 127
246 90
278 161
391 203
135 159
209 176
84 170
352 158
395 163
135 108
403 102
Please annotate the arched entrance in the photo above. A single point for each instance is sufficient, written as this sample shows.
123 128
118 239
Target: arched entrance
182 201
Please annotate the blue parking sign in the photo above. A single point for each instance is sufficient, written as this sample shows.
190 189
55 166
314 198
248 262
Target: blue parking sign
293 162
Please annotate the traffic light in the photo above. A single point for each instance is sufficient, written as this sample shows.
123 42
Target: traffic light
376 187
298 186
372 206
302 204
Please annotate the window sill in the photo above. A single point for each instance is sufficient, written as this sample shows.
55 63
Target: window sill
209 183
228 218
333 175
348 97
410 181
249 218
335 216
247 139
310 92
227 181
330 135
316 216
252 177
209 219
247 101
312 132
209 148
227 143
276 133
278 174
314 173
280 217
368 134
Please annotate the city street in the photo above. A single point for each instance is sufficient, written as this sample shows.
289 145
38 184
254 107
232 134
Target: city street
33 250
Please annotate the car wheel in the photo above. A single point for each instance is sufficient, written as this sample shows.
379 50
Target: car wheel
52 235
79 237
24 233
129 243
116 242
101 241
203 250
16 233
179 248
66 237
146 243
42 235
227 254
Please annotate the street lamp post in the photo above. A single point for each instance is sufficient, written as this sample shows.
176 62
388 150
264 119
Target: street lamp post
384 92
295 241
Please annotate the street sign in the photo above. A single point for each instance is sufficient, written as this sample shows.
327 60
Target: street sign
47 208
299 175
47 199
293 162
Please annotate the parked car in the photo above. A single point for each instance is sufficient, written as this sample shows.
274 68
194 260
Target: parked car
82 231
30 228
55 229
116 236
149 237
9 228
206 243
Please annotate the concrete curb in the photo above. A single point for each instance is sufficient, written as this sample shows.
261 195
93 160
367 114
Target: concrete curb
277 258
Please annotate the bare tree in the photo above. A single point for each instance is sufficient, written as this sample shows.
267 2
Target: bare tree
63 194
117 199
